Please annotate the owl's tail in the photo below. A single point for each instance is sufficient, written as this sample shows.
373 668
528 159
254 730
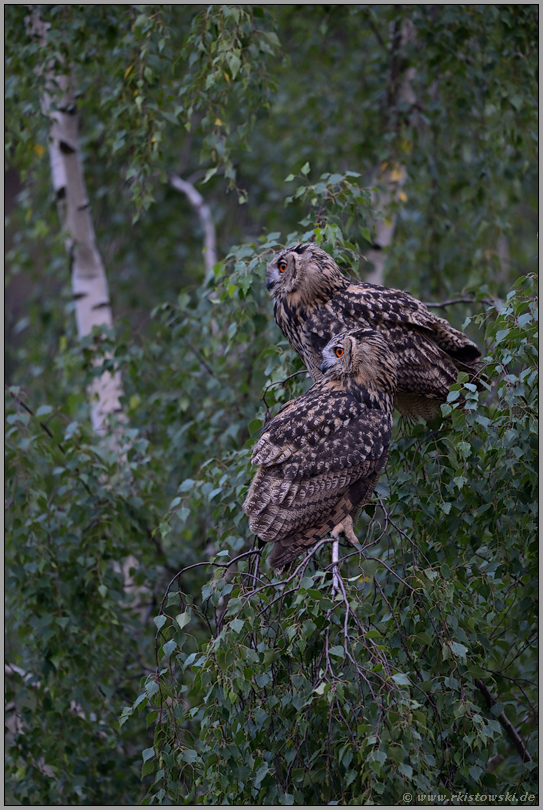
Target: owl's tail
456 344
289 548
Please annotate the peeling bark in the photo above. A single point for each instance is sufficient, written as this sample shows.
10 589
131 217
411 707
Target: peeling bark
89 282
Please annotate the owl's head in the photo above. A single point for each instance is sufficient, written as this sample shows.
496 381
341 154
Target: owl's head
303 274
362 355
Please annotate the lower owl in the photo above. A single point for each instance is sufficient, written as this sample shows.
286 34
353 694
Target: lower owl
320 458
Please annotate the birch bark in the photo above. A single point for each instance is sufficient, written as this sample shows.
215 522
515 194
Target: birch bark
89 282
205 216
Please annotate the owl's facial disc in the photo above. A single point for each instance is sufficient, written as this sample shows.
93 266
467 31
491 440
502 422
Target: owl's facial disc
280 274
331 354
286 272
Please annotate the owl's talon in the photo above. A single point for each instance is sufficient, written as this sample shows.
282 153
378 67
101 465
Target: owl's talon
346 529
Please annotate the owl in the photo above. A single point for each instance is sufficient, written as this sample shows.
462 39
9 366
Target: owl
320 457
313 301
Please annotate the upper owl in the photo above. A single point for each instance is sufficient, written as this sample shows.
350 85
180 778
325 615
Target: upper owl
314 301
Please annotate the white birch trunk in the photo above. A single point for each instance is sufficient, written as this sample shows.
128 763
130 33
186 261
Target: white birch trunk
89 282
390 184
206 220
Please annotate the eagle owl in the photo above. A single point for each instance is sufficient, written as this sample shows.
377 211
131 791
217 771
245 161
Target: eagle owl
313 301
321 456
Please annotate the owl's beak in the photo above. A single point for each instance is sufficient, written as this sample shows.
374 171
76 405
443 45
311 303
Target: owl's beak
325 365
270 283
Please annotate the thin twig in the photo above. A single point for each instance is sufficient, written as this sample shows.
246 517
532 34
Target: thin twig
442 304
199 564
31 412
279 382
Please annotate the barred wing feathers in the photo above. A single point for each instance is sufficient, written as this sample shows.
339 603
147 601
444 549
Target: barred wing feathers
311 456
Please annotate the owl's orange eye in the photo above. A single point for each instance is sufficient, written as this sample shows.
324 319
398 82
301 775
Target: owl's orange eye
339 351
282 266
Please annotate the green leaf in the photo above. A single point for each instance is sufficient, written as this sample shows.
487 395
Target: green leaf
147 754
210 173
459 649
406 770
234 63
183 619
147 768
169 647
475 772
260 774
254 427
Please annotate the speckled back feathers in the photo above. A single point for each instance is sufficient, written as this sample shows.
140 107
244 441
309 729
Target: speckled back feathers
314 302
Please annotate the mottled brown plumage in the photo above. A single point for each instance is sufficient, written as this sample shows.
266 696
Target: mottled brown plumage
314 301
321 456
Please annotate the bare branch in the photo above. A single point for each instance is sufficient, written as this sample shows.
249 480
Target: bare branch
205 216
31 412
443 304
279 382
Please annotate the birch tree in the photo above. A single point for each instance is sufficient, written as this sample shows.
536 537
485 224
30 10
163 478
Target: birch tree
93 310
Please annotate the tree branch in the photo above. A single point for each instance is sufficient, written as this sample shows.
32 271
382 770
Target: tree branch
443 304
504 722
205 216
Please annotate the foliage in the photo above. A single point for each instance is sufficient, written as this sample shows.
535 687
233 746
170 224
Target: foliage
442 594
80 571
142 84
301 695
